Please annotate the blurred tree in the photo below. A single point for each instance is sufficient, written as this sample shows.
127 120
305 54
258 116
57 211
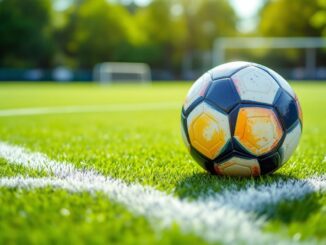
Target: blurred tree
26 33
319 18
207 20
181 29
97 31
289 18
164 31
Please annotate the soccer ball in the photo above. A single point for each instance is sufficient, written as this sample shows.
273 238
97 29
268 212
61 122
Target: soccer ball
241 119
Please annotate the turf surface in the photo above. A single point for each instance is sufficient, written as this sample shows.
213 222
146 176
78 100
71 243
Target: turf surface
139 147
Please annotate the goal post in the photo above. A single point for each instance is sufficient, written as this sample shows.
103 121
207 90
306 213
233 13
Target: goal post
111 72
310 44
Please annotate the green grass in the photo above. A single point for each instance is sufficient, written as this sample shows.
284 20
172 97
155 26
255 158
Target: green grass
138 147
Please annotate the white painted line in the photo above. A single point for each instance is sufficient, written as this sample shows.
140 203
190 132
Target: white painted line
211 221
265 197
218 217
88 108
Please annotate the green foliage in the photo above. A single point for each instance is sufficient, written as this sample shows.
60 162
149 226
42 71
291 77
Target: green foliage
319 18
210 20
179 28
96 31
289 18
88 32
169 35
164 31
25 33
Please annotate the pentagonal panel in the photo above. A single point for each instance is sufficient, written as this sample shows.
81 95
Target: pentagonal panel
287 109
227 69
290 143
270 163
255 84
223 94
197 90
236 166
257 130
208 130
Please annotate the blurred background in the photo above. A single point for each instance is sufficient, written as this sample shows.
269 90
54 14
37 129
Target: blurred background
65 40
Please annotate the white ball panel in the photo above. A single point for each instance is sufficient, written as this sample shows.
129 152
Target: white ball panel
237 170
254 84
222 119
236 166
196 112
290 143
197 89
227 69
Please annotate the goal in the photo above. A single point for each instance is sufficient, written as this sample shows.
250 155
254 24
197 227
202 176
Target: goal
309 44
111 72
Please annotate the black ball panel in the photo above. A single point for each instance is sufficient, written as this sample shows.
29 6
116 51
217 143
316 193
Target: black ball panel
233 115
200 159
287 110
239 148
184 125
223 94
227 150
270 163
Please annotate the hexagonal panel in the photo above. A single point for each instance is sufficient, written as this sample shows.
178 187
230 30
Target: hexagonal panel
270 163
227 69
208 129
237 166
257 130
287 109
290 143
223 94
255 84
197 90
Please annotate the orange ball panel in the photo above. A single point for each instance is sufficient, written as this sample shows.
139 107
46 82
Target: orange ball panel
257 130
206 135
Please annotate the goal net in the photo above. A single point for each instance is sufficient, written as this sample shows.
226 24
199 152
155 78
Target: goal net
111 72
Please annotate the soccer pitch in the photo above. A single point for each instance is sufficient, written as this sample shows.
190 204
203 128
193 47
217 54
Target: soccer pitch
82 163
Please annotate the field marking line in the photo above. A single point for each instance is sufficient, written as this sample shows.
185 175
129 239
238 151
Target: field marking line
214 218
258 198
88 108
212 222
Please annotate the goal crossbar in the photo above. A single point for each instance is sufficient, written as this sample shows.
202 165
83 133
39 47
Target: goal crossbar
105 72
310 44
